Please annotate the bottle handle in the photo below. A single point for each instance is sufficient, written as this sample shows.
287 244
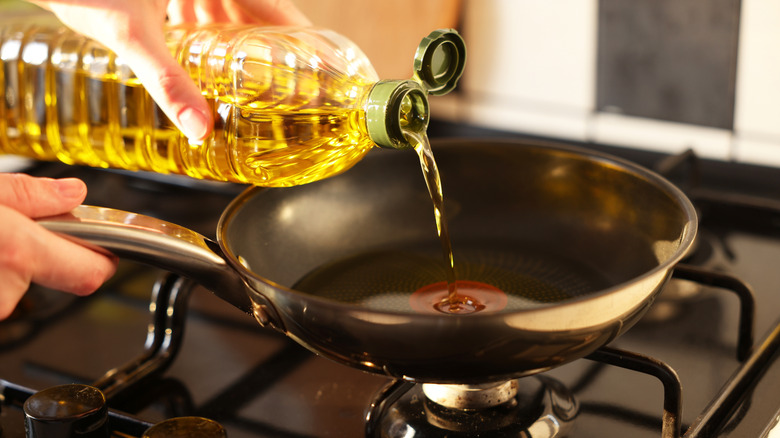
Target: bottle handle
154 242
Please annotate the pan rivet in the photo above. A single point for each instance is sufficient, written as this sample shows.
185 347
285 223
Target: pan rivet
261 314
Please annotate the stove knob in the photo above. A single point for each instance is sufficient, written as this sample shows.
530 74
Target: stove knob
67 411
186 427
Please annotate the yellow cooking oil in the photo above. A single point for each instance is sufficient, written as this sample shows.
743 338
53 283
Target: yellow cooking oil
120 126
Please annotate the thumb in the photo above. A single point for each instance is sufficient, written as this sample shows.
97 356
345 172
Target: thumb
39 197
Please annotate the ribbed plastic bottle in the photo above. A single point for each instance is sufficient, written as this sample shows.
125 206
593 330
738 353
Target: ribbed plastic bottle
291 105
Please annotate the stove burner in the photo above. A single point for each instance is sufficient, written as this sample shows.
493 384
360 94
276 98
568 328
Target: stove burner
189 427
535 406
481 396
67 411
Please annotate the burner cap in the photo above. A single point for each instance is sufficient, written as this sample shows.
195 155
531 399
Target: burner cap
186 427
67 411
479 396
539 406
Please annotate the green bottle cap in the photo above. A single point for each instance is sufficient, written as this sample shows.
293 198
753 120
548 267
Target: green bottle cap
398 107
440 60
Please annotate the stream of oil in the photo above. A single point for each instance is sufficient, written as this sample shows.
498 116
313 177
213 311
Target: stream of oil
454 301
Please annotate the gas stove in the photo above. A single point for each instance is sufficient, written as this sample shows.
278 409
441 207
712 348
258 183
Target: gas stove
152 353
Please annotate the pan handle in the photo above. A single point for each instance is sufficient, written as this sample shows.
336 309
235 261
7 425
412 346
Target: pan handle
154 242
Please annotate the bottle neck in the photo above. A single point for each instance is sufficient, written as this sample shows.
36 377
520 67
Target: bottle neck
394 109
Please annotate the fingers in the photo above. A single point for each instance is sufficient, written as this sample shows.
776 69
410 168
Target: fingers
181 11
273 12
166 81
135 32
210 12
261 12
197 11
31 254
38 197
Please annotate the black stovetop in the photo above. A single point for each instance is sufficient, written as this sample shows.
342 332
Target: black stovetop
257 383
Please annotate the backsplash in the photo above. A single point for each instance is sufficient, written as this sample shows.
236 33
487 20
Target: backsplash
662 75
668 60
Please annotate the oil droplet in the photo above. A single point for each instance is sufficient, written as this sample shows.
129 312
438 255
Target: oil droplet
471 297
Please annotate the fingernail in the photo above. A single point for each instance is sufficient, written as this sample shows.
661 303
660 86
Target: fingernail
193 123
69 187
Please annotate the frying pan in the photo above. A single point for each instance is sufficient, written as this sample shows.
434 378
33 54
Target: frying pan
585 239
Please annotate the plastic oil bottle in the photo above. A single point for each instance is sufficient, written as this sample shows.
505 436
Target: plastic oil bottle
291 105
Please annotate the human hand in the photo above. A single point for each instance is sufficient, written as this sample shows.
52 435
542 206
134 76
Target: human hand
31 254
134 31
